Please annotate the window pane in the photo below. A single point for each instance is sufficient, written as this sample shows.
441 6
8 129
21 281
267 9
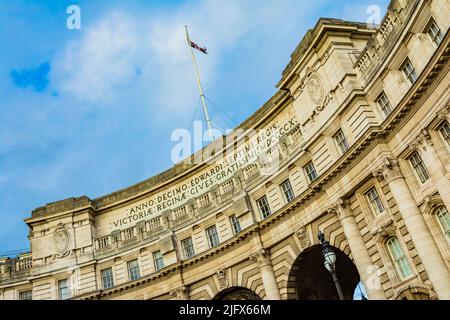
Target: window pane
235 224
133 270
107 278
445 132
409 71
158 260
375 201
264 207
188 248
213 237
419 167
287 191
444 219
64 289
434 32
384 104
26 295
400 260
310 171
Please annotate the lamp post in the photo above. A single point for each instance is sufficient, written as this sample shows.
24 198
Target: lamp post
330 261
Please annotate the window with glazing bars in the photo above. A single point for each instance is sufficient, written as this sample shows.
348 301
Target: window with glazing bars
107 278
375 201
286 187
409 71
263 206
384 104
419 167
213 237
133 270
399 258
188 248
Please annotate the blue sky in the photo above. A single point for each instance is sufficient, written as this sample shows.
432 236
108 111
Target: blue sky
90 111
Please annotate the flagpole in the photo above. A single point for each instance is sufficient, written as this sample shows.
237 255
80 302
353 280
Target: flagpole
205 109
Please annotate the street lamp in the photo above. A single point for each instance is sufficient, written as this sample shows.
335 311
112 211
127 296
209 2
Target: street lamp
330 261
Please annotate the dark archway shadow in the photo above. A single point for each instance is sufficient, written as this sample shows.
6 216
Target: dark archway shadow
310 280
237 293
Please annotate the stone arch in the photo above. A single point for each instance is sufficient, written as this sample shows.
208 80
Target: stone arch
415 292
310 280
237 293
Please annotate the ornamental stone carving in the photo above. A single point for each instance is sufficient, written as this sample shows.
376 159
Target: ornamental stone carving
303 237
180 293
388 171
422 141
223 279
315 88
262 257
61 242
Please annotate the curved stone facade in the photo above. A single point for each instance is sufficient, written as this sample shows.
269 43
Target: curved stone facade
355 143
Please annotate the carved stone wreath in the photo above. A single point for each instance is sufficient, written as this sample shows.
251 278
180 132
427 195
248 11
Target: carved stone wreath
315 88
61 242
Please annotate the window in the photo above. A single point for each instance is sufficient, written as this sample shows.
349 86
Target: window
310 171
444 220
341 141
188 248
375 201
64 289
434 32
263 206
445 131
287 191
133 270
399 258
384 104
235 224
107 278
213 237
158 260
409 71
419 167
26 295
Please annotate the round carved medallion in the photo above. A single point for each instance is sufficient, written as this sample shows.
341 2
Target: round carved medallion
61 241
315 88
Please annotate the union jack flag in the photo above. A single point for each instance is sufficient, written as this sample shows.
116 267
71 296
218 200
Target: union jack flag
195 46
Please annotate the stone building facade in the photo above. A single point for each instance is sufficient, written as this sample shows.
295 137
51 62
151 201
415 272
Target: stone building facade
359 130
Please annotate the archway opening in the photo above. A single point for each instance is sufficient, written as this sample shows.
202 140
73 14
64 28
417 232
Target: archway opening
312 281
237 293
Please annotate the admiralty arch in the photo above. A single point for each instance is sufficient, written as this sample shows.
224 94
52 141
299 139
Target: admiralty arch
360 130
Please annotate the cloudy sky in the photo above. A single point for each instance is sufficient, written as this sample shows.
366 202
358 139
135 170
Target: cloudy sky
90 111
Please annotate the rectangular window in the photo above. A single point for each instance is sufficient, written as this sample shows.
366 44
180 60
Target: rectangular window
445 131
133 270
107 278
188 248
26 295
444 220
235 224
419 167
213 237
64 289
263 206
158 260
286 187
399 257
341 141
384 104
434 32
409 71
311 172
375 201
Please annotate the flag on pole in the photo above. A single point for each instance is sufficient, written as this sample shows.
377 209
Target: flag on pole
195 46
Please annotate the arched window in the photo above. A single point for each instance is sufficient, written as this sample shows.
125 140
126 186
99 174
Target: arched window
399 258
444 219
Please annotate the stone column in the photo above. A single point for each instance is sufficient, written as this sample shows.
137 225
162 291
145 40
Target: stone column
361 256
181 293
423 241
262 257
423 145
